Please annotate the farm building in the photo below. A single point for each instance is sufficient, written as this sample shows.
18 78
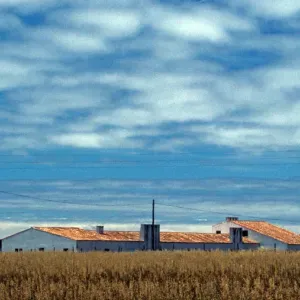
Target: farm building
268 235
81 240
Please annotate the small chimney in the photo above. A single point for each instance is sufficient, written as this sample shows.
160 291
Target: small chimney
229 219
100 229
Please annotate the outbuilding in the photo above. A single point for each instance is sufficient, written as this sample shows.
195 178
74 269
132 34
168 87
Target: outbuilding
268 235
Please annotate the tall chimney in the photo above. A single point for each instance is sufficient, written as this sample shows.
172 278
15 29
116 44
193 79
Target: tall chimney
146 236
236 237
100 229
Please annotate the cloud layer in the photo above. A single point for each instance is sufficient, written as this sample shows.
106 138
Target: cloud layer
99 75
144 76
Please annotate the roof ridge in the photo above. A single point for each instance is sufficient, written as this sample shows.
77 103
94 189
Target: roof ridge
281 228
274 231
64 227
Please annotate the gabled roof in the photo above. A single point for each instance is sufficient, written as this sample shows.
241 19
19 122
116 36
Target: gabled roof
270 230
195 237
78 234
75 233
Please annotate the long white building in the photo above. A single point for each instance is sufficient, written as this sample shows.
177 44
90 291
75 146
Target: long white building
232 234
81 240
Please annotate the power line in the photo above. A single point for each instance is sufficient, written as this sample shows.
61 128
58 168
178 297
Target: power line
224 213
106 151
130 161
243 179
68 202
150 164
144 204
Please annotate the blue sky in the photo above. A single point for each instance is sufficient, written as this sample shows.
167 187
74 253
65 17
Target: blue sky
107 106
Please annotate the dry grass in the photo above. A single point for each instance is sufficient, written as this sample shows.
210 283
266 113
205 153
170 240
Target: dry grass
159 275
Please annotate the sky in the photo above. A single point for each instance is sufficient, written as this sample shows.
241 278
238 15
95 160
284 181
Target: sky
106 105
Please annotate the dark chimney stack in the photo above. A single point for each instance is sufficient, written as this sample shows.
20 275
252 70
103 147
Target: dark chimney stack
229 219
100 229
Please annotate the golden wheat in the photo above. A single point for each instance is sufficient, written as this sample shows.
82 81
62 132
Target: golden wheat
145 275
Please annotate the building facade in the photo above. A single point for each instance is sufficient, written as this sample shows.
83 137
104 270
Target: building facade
232 234
148 238
268 235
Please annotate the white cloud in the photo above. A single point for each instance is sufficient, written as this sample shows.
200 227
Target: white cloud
71 40
88 140
108 23
110 139
270 8
248 137
200 24
81 71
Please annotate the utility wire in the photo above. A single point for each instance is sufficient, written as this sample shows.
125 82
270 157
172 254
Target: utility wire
137 204
224 213
282 160
68 202
150 164
242 179
146 153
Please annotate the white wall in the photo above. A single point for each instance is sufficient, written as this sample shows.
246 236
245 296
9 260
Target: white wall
32 240
224 227
206 246
194 246
86 246
265 241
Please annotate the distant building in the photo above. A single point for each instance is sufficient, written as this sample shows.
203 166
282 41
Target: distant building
269 236
148 238
233 234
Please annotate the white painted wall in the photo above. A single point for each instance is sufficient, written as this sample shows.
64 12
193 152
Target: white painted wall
32 240
265 241
224 227
194 246
206 246
86 246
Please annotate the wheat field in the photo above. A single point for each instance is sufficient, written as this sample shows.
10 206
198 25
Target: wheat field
150 275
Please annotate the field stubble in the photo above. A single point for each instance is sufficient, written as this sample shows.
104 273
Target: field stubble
146 275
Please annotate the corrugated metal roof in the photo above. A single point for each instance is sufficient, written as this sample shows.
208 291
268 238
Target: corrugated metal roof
75 233
271 230
195 237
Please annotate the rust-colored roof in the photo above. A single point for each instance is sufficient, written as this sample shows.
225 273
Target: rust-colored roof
195 237
271 230
75 233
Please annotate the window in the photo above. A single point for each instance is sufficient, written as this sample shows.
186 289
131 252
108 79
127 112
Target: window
42 249
245 233
218 232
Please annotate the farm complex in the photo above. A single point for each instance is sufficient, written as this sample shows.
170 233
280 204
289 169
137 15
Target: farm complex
232 234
